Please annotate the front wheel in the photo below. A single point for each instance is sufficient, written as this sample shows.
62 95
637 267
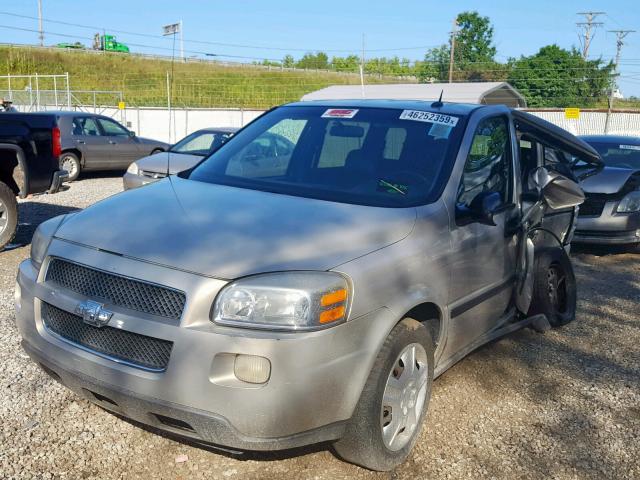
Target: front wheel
156 150
8 215
389 415
71 163
554 287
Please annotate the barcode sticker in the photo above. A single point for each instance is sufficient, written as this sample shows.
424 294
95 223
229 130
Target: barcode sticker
429 117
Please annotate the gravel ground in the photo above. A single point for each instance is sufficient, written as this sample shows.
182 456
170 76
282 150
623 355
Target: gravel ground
563 405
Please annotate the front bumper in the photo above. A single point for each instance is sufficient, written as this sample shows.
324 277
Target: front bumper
316 377
609 228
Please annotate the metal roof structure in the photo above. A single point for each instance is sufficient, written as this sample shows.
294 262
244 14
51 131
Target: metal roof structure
483 93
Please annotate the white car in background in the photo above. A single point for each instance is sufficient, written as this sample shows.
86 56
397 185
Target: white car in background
179 157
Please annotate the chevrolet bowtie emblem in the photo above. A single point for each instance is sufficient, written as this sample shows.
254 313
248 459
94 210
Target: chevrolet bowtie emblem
93 313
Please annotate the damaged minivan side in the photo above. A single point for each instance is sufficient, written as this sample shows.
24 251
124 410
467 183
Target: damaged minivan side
265 300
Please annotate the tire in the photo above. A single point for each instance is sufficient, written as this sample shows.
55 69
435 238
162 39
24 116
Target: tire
156 150
8 215
554 287
71 163
368 439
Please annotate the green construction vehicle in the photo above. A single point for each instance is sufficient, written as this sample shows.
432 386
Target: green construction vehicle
108 43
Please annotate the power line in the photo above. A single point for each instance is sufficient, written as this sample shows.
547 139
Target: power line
221 44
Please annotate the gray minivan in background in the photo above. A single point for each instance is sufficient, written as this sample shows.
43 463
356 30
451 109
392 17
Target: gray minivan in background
264 300
96 142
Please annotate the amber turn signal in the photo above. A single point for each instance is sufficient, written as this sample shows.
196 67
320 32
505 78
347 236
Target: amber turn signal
332 315
333 297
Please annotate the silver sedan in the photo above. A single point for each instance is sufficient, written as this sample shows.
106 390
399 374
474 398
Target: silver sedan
182 156
611 212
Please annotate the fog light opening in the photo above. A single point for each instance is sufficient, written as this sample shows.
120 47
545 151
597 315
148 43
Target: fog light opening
252 369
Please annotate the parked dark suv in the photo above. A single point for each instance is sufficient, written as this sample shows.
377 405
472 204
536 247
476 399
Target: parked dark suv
96 142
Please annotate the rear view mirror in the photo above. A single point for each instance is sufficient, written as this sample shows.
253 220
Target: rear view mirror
347 131
132 134
557 191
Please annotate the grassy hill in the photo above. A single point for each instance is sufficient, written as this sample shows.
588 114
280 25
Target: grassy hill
143 81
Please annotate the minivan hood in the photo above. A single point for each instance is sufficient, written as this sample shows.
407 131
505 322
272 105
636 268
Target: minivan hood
228 232
609 180
177 162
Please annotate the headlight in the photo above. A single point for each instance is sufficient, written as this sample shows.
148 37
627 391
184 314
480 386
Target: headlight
284 301
630 203
42 238
133 169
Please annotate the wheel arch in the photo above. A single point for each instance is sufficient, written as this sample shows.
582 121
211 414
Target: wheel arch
430 315
76 152
13 169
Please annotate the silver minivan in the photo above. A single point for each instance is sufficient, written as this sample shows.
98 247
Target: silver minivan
264 301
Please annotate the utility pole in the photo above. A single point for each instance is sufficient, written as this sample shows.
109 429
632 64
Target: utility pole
454 32
40 30
588 27
620 36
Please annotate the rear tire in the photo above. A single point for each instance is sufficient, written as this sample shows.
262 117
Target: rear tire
554 287
8 215
388 418
71 163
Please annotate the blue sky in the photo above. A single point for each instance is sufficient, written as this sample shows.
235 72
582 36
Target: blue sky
287 26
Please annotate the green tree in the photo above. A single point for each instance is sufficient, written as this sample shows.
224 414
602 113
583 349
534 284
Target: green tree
473 54
435 67
474 40
556 77
314 61
288 61
350 63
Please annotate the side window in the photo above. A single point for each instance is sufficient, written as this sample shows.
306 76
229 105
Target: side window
488 165
85 126
201 143
268 154
113 129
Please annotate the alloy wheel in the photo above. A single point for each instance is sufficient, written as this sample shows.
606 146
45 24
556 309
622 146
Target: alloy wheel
404 396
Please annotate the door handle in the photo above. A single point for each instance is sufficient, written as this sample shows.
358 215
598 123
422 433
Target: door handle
112 142
81 141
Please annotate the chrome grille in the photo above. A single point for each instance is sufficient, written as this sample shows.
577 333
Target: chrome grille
117 290
132 348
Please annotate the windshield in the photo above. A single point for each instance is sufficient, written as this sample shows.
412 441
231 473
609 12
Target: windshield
200 143
618 155
369 156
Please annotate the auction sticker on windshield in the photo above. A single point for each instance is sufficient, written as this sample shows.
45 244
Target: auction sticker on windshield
340 113
629 147
429 117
